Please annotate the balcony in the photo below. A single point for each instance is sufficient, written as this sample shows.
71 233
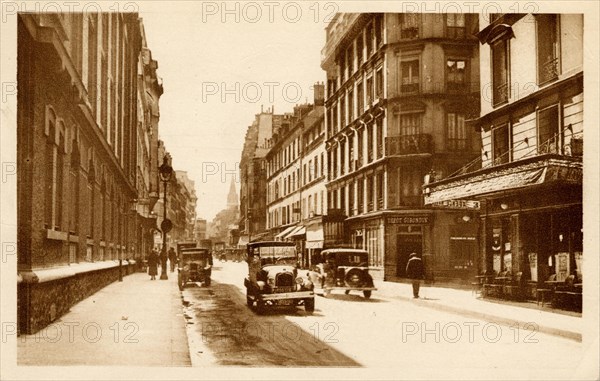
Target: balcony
409 145
409 32
409 88
456 32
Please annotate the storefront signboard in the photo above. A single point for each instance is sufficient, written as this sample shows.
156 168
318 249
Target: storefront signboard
408 220
457 204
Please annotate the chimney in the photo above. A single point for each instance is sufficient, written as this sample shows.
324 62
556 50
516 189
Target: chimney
319 89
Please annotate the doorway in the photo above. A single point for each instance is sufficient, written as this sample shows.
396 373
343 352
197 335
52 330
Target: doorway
406 244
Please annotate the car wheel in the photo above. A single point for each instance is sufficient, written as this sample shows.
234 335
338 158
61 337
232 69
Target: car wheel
367 294
347 292
207 282
309 305
180 286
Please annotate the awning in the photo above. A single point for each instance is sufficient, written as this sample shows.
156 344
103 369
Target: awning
291 233
508 179
300 230
285 232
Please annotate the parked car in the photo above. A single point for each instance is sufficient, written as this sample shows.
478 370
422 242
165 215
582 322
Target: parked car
343 269
274 278
195 265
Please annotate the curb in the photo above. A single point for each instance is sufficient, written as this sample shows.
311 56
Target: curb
571 335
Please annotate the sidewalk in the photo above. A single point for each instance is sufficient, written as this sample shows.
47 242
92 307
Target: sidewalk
465 303
136 322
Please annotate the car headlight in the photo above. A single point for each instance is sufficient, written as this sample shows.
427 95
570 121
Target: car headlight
186 268
308 285
260 284
271 281
300 281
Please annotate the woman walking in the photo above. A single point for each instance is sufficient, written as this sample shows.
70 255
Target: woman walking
153 264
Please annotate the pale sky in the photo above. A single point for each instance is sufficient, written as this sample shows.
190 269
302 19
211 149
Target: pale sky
202 59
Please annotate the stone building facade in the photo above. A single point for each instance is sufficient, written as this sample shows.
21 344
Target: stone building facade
82 147
399 90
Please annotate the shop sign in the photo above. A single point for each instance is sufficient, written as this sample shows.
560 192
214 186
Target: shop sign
457 204
408 220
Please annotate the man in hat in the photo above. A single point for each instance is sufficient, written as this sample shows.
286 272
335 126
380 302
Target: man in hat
415 271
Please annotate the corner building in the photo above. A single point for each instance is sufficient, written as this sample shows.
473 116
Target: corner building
529 175
399 90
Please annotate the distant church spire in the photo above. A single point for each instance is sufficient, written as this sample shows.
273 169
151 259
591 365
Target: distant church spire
232 197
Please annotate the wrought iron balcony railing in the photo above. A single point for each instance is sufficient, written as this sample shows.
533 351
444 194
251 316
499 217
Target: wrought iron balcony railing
409 144
549 71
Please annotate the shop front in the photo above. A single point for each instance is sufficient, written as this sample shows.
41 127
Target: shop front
531 222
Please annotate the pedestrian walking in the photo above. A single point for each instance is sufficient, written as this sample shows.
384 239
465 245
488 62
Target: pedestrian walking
415 271
153 264
172 258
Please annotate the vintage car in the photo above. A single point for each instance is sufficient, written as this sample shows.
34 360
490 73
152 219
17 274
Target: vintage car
274 278
194 265
343 269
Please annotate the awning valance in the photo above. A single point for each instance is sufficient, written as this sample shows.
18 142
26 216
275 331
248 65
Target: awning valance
507 179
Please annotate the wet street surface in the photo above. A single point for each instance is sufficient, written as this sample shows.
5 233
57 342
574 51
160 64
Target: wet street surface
351 331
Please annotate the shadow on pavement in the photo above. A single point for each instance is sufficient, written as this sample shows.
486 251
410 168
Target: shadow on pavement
236 336
353 298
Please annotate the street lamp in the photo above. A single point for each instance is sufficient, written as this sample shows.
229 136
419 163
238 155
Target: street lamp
165 171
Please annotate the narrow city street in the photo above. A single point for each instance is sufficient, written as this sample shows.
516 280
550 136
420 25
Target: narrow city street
347 330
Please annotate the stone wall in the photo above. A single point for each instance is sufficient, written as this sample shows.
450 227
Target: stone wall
39 304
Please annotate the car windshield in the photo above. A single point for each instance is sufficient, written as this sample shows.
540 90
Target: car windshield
352 259
283 255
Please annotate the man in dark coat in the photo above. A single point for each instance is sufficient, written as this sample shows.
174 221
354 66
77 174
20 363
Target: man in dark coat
172 259
416 272
153 264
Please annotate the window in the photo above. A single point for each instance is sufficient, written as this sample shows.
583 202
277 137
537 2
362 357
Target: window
410 76
316 167
411 181
455 74
378 30
351 200
335 118
350 153
342 112
342 148
350 60
455 25
547 47
369 39
310 171
350 106
379 83
500 144
369 91
409 25
359 49
322 163
500 72
92 48
370 194
410 124
370 133
380 191
342 68
379 138
360 98
359 151
360 193
457 133
548 130
342 191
